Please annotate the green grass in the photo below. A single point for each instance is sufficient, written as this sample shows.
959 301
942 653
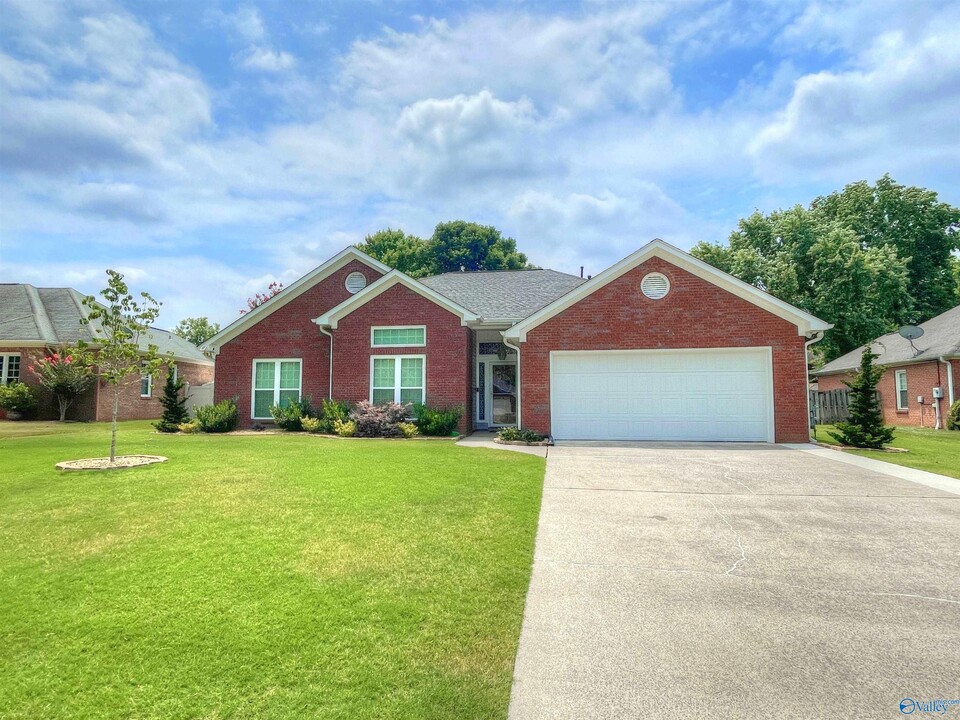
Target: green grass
936 451
281 576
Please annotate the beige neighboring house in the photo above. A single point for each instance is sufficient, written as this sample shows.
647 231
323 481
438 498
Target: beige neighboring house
33 320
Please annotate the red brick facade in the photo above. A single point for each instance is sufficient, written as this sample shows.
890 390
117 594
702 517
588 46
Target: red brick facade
96 404
288 332
921 379
694 314
448 349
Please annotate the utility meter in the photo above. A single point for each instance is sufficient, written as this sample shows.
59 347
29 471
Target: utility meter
919 399
937 393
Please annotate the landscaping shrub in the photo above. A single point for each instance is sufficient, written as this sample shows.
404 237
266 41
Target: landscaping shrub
288 417
219 418
311 425
512 434
408 430
17 398
953 417
330 412
174 405
189 427
437 422
378 420
865 427
345 428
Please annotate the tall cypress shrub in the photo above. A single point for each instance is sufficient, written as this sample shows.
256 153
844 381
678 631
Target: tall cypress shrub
865 427
174 404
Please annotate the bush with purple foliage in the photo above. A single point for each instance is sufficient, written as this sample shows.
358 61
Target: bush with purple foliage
379 420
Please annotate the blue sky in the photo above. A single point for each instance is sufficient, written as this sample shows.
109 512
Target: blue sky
206 149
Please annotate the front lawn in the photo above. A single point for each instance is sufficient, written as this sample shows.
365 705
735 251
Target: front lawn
936 451
279 576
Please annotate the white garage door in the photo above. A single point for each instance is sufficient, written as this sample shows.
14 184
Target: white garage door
717 394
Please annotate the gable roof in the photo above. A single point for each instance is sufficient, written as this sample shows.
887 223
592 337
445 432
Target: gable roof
507 295
293 291
941 338
332 317
805 322
41 317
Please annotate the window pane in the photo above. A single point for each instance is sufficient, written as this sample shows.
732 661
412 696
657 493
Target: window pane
411 396
144 385
13 368
411 373
382 396
399 336
290 375
383 373
288 396
265 375
262 400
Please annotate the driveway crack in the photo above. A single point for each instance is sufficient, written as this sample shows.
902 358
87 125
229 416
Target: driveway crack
743 552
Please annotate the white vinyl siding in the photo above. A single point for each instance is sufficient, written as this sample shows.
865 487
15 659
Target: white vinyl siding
723 394
9 368
903 399
397 378
275 382
398 336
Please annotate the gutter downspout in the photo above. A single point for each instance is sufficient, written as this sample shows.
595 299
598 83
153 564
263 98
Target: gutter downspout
817 337
330 382
946 361
519 381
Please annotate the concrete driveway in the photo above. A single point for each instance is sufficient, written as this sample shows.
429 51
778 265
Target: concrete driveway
734 581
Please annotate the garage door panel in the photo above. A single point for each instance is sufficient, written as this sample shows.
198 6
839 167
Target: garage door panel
655 395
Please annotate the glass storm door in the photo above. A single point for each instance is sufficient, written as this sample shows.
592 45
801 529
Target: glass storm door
504 392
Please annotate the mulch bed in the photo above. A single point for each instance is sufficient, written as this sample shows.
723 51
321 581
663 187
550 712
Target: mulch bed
103 463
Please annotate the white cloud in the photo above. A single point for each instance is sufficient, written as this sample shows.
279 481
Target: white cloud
894 112
266 60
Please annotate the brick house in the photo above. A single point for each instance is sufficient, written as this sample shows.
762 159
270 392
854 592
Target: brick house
914 373
659 346
34 320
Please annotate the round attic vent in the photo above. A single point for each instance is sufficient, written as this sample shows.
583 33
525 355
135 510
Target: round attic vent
655 285
356 281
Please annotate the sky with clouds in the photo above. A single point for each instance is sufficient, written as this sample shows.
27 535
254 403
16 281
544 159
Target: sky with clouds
206 149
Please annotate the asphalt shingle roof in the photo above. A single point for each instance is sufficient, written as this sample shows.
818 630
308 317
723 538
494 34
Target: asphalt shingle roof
941 336
52 316
503 294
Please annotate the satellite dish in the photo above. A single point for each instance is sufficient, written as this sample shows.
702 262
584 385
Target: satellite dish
910 332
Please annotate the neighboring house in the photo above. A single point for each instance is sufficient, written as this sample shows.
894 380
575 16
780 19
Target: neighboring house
912 371
659 346
34 319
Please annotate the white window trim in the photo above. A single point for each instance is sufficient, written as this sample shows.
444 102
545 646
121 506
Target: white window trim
276 383
5 366
149 378
896 384
396 375
399 327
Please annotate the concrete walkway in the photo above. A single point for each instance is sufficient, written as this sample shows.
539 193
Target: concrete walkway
485 440
735 581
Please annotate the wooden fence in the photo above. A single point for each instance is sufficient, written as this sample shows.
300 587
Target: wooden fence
829 406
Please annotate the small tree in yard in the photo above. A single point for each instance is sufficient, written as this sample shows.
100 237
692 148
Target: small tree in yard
865 428
65 372
117 325
174 404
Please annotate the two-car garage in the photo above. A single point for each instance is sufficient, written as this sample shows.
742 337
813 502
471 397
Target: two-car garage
716 394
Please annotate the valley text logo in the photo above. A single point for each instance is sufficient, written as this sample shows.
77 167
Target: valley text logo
909 706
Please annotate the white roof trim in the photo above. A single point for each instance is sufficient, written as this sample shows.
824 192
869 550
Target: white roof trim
394 277
805 322
295 290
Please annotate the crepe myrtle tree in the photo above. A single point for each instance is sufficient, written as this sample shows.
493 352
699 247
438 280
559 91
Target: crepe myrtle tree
117 324
66 372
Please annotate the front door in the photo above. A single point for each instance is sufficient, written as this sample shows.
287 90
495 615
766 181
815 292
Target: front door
504 393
